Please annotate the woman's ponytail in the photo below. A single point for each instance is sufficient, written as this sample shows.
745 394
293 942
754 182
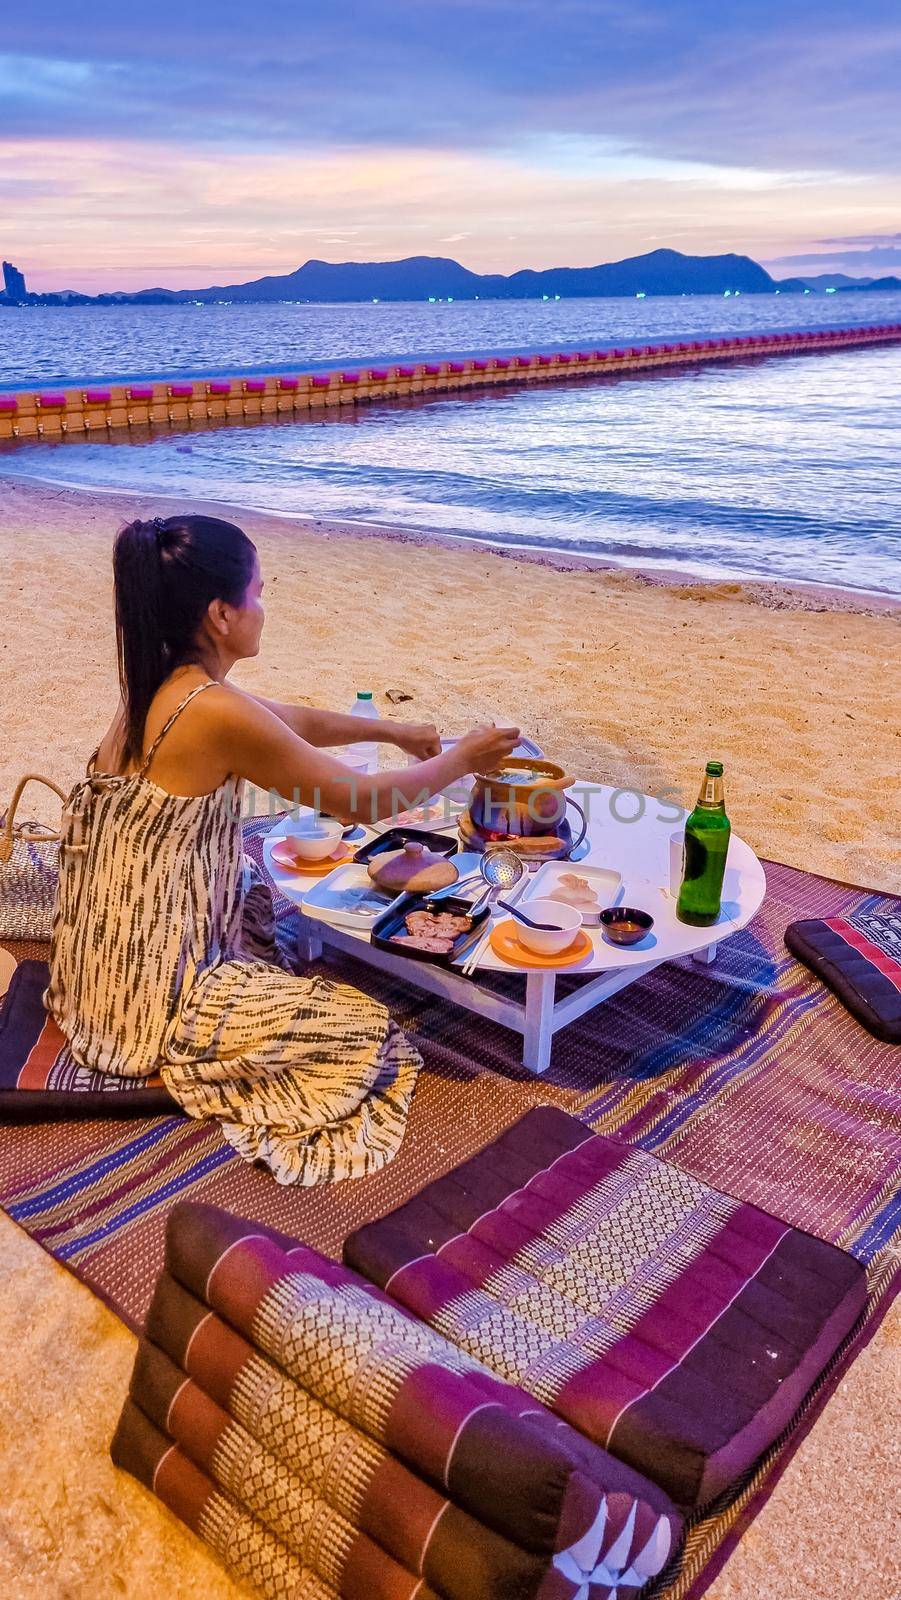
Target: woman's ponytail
140 632
167 572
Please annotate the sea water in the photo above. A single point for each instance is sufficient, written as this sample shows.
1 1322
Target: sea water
787 467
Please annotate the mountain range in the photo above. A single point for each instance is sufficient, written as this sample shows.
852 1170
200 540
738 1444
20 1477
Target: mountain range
660 272
438 277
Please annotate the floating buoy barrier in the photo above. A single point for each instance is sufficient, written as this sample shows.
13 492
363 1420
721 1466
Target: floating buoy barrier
176 402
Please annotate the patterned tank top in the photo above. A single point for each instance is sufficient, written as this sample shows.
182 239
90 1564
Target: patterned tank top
150 897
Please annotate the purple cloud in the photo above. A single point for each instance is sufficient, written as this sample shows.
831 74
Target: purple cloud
877 262
774 87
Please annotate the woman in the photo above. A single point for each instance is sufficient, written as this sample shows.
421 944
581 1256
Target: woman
156 963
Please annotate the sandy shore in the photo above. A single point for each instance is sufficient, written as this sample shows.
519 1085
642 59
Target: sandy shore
627 680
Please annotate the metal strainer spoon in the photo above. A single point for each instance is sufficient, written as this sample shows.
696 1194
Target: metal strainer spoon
501 869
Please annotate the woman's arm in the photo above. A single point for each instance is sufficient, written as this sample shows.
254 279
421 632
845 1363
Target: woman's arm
247 739
322 728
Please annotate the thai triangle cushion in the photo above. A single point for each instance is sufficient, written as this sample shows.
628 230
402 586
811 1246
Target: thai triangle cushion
39 1079
859 959
314 1433
673 1325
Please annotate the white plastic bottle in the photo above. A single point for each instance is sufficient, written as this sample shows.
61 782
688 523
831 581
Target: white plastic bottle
367 752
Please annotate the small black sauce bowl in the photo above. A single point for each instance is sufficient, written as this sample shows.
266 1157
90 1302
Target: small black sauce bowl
615 922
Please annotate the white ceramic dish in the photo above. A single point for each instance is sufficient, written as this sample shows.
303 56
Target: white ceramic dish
347 898
604 882
548 941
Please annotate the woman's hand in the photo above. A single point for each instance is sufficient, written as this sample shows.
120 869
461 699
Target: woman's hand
486 749
420 739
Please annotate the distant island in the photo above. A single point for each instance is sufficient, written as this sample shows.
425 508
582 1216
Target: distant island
438 278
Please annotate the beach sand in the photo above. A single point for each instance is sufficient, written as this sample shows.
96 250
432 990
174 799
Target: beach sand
624 679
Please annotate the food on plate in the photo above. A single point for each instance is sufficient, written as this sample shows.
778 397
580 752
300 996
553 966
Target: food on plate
571 889
435 932
574 890
414 869
449 922
427 812
419 941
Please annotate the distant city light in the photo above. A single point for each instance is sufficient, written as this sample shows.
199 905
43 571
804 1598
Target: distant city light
640 294
831 290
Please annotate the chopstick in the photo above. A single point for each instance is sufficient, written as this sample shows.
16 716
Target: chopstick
475 955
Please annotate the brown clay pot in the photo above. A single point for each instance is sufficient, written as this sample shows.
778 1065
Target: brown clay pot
505 806
414 870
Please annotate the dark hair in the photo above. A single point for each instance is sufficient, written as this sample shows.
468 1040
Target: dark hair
167 572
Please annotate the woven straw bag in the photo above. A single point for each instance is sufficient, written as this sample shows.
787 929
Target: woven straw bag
29 870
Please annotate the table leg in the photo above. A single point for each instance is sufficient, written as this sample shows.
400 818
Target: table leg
309 939
539 1022
705 956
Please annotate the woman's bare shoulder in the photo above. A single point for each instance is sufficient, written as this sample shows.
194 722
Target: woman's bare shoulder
226 709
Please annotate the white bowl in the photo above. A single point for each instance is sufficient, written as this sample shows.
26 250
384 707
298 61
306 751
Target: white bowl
299 819
314 837
567 922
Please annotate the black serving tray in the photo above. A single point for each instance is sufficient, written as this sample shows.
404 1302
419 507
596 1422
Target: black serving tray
394 920
442 844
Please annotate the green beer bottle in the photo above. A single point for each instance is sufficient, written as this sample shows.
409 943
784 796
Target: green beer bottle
706 843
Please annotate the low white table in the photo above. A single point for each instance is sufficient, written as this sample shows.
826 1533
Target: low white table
639 851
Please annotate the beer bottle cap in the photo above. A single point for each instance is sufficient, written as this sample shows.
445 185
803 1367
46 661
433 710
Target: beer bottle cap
715 769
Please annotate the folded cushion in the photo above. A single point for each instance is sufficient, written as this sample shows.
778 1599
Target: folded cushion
243 1545
40 1081
362 1442
448 1416
859 959
671 1324
332 1497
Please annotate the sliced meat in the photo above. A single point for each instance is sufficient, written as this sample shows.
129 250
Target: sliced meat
418 941
441 924
455 923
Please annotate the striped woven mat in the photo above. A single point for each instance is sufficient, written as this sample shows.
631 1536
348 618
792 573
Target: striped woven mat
747 1073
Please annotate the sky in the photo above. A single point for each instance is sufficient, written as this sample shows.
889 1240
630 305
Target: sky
202 141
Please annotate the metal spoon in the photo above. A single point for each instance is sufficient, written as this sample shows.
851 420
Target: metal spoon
501 869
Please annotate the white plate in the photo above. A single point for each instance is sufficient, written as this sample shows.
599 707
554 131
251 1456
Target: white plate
604 881
444 820
347 897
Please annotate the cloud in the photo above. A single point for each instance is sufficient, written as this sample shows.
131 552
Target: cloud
579 130
877 262
808 86
190 219
865 238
